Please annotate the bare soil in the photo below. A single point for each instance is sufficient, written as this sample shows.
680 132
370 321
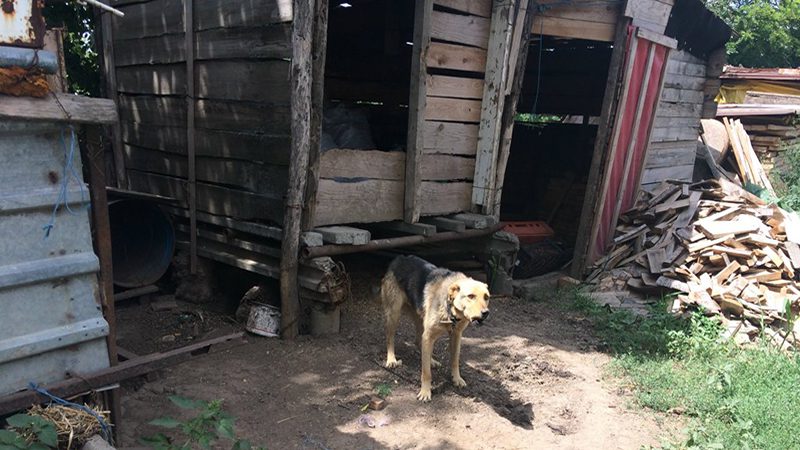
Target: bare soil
535 380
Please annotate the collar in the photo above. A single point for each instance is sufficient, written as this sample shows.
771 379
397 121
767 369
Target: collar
451 317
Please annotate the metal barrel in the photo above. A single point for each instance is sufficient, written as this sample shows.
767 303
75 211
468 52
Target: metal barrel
142 242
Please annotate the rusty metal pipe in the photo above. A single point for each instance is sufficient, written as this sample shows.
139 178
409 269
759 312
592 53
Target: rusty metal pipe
404 241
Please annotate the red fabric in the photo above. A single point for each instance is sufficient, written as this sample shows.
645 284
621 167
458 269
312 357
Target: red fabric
616 172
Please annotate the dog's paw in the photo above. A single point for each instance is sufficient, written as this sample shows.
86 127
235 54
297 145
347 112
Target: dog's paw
435 364
459 382
393 363
424 395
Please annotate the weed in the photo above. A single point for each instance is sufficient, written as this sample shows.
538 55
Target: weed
383 390
787 181
210 425
28 432
733 398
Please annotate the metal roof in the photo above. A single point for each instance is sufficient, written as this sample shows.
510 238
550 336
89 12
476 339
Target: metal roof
747 73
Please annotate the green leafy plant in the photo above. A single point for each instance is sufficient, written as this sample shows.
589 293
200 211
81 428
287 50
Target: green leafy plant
206 429
765 32
383 390
787 181
28 432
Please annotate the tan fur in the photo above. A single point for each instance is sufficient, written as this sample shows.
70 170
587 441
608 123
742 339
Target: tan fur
469 300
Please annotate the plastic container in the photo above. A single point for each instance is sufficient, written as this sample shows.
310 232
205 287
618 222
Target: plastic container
529 232
264 320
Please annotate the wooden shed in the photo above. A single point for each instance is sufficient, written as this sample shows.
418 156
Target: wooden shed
265 122
633 78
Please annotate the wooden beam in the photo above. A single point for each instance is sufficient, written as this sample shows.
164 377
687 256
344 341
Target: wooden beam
656 38
95 160
444 223
590 202
110 74
188 31
344 235
416 109
318 54
302 29
422 229
519 56
63 108
499 49
86 382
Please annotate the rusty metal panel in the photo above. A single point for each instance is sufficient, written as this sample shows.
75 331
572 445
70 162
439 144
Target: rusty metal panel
51 323
21 23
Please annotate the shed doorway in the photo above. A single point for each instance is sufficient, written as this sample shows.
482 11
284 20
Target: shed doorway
553 143
365 112
367 74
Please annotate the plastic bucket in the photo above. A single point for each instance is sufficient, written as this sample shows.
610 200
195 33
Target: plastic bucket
142 242
264 320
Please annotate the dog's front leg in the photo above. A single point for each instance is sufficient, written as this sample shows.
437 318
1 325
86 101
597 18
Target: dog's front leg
455 356
427 352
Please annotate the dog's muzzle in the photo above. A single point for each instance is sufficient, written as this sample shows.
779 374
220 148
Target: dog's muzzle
484 315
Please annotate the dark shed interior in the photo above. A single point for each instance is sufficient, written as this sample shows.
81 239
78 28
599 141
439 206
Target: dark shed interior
554 133
367 74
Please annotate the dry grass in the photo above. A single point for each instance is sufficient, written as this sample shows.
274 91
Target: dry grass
74 426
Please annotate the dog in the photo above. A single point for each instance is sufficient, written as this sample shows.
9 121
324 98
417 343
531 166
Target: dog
440 301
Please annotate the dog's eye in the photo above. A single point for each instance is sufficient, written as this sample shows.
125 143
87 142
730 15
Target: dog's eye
486 297
471 296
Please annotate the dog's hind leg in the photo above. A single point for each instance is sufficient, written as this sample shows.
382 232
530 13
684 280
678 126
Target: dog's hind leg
392 310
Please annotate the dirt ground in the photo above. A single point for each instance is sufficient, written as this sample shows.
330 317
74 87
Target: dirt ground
535 380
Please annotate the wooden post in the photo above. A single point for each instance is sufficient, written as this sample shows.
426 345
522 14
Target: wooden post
302 28
601 146
94 159
492 105
320 47
110 71
416 108
519 56
188 28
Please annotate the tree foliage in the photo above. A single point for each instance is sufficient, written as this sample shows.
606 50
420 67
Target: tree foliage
766 32
80 57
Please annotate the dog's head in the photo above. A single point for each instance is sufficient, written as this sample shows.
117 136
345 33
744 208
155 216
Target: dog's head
470 298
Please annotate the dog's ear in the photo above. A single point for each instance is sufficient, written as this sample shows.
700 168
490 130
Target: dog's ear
453 290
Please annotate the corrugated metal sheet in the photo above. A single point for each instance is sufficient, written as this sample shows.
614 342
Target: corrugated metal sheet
51 323
21 23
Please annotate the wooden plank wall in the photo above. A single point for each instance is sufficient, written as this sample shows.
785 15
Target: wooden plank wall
372 183
673 143
581 19
456 64
241 102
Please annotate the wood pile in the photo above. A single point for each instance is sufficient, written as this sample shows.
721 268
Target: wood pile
770 137
747 163
721 248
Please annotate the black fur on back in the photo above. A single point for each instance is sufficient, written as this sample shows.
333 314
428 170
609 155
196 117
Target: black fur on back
413 274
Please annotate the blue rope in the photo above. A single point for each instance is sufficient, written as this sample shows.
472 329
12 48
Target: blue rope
103 425
69 171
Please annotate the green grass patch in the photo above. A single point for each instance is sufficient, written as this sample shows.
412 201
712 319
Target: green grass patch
733 398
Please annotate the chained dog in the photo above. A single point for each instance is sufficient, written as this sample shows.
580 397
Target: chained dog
440 301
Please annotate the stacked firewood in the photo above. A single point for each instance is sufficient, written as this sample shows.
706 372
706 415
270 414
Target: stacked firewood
721 248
